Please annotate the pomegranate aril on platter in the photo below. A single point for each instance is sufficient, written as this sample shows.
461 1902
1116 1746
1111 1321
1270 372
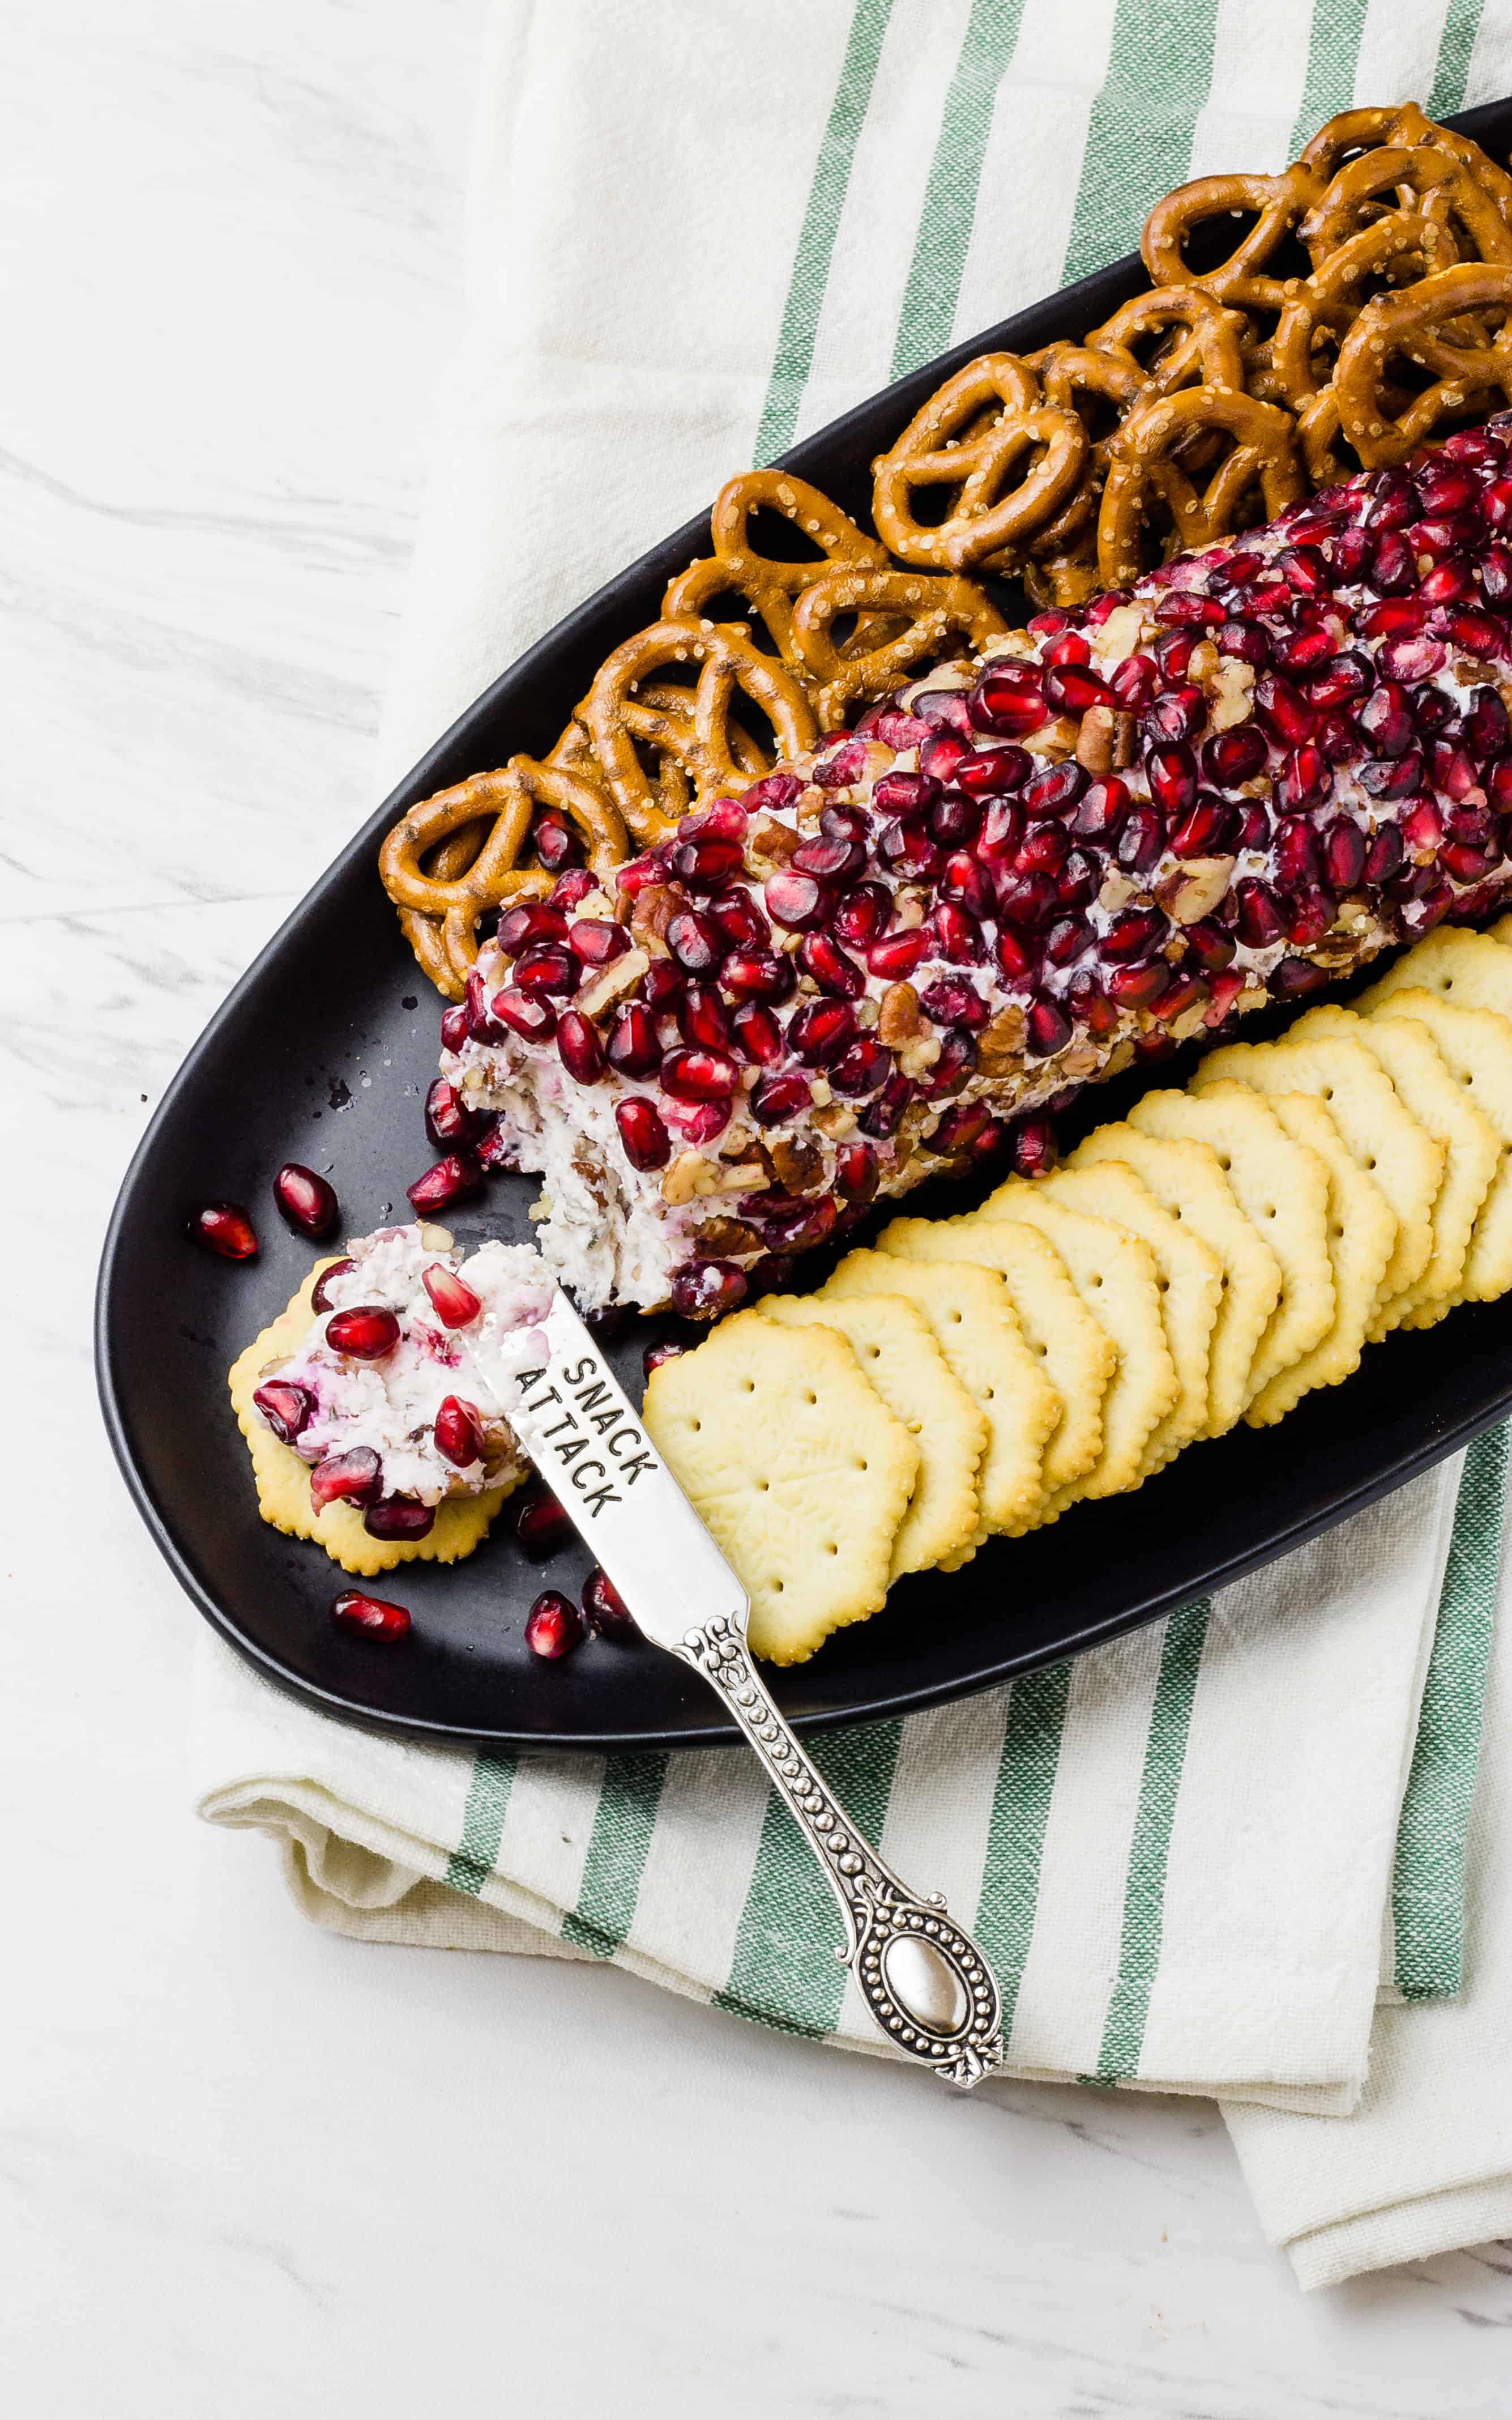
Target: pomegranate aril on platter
537 1522
448 1121
553 1626
223 1228
371 1616
606 1611
305 1200
457 1174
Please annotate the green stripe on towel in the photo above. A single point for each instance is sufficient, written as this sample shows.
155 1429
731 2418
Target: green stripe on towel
483 1823
1429 1886
821 224
1143 1898
939 260
784 1972
1455 44
1016 1830
619 1845
1333 56
1139 140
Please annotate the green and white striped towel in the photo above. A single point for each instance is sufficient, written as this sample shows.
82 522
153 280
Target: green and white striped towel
1201 1859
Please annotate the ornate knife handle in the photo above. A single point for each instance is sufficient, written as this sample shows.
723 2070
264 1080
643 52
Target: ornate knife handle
924 1979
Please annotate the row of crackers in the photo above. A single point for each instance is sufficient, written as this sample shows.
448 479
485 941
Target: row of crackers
1211 1258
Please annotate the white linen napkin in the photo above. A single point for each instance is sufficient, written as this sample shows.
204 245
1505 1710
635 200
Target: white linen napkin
697 231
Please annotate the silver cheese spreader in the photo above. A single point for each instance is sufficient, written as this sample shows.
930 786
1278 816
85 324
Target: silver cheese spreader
922 1976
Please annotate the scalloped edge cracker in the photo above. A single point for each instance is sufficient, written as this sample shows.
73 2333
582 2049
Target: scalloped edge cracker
1189 1275
1362 1236
1185 1176
796 1466
284 1481
1475 1044
974 1323
1281 1188
1375 1125
1473 969
1076 1357
899 1356
1116 1276
1472 1151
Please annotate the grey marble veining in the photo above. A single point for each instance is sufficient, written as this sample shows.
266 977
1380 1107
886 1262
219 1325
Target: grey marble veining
245 2171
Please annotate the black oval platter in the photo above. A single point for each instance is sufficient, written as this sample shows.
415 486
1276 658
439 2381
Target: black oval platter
316 1056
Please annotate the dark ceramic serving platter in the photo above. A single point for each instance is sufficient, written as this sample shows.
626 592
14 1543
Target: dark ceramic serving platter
322 1054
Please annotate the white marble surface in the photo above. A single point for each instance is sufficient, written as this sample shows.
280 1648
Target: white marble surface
246 2171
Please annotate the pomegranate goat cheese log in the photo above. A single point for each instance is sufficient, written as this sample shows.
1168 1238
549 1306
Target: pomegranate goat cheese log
1262 765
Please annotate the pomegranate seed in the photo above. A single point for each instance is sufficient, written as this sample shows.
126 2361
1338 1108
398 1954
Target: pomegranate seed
961 1129
1305 780
448 1119
1028 902
1445 488
456 1028
820 1030
1307 915
954 819
707 1289
365 1333
1344 853
540 1525
706 862
1496 503
1385 722
1393 569
598 942
1142 841
1134 934
1496 572
1057 790
642 1134
855 1172
525 1013
940 754
370 1616
1467 864
1047 1029
1475 445
519 927
1397 616
579 1046
1284 710
1002 831
952 1000
832 860
1421 828
1487 731
882 1116
349 1478
847 764
962 880
896 955
1210 830
455 1302
1447 583
701 1018
556 843
987 772
909 849
1091 1005
957 934
1246 640
286 1406
699 1074
777 1099
741 921
458 1432
548 966
1019 956
1254 826
1259 915
1351 554
1138 987
1432 712
1208 942
779 790
1134 683
1079 879
905 795
1069 646
1454 773
604 1609
696 941
1405 657
958 1056
1391 777
1172 774
1045 850
798 902
1177 714
832 967
571 888
1340 681
451 1177
756 1034
932 708
1478 635
1101 809
632 1048
655 1355
1035 1147
1338 736
1006 703
1306 655
225 1228
1069 939
1293 977
553 1626
321 1298
1384 854
1074 689
860 916
1185 608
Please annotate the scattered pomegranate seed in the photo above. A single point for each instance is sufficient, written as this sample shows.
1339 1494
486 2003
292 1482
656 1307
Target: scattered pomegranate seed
541 1527
798 902
455 1304
859 917
855 1172
448 1121
698 1122
553 1626
223 1228
1035 1147
655 1355
556 843
579 1046
707 1289
820 1030
598 942
823 961
306 1201
403 1517
458 1432
370 1616
286 1406
895 957
1138 987
642 1134
1047 1029
1006 703
606 1611
756 1035
456 1028
547 966
571 888
444 1184
707 861
351 1478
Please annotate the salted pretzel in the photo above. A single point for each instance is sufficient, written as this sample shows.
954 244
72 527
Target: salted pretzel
933 609
766 583
1424 183
1419 327
1357 131
452 905
1144 467
1199 339
996 498
1245 281
703 738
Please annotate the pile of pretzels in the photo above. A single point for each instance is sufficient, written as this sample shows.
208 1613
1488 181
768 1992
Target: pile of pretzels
1204 405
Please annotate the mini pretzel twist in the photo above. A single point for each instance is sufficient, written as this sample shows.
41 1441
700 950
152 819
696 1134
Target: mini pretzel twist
949 443
1144 466
1244 280
702 739
1424 184
766 583
1421 326
933 609
451 904
1203 339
